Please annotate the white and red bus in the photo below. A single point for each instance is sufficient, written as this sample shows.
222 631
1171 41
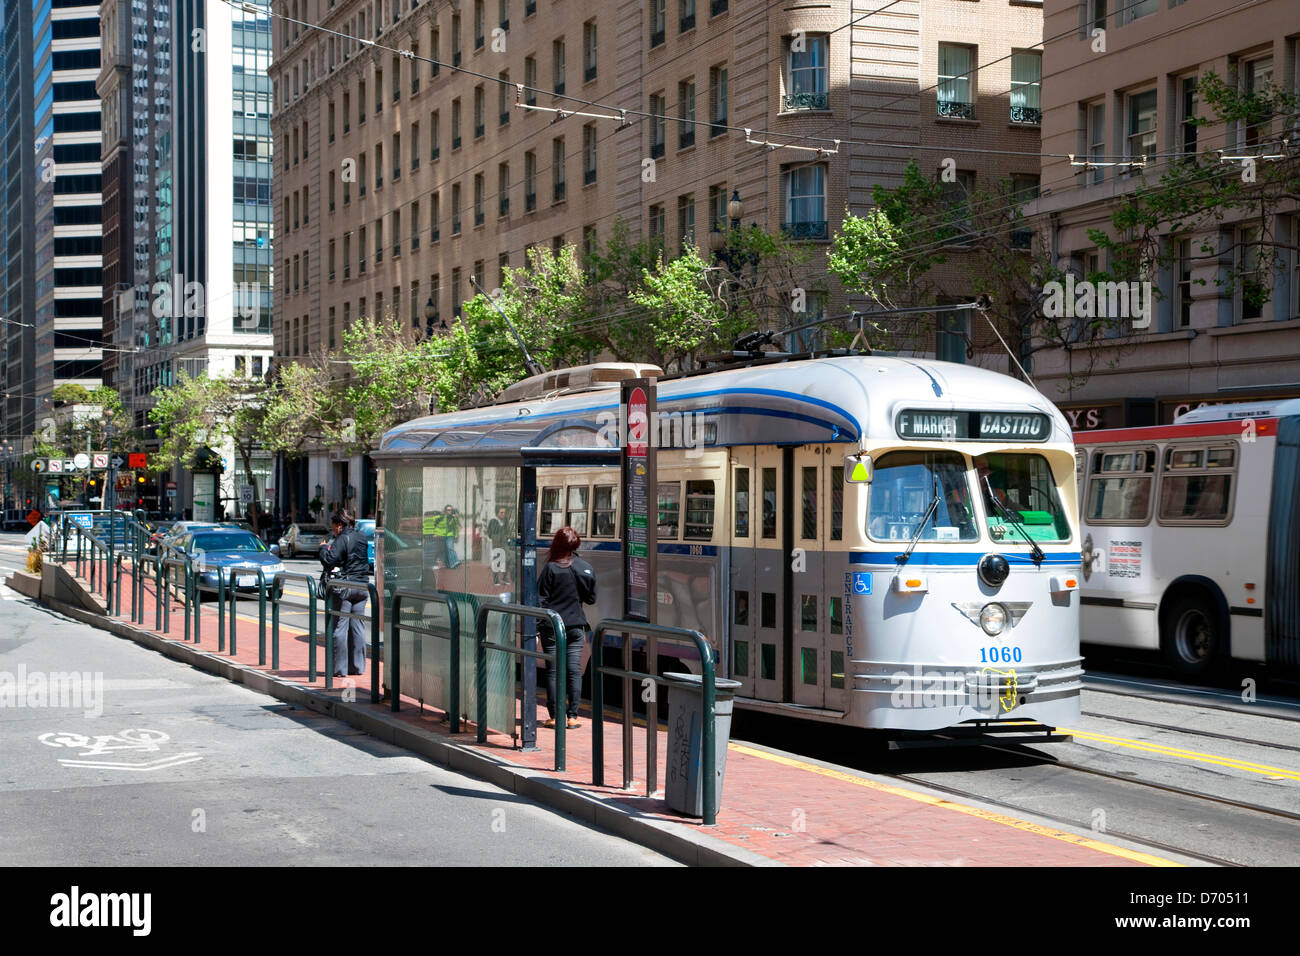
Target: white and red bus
1191 536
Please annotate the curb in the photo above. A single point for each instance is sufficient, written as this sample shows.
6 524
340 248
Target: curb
676 840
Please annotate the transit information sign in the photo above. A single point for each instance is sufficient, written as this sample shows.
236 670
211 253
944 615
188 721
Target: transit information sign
934 424
637 398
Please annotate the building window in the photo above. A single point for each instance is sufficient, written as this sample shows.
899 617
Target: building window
379 91
480 120
478 199
478 24
503 189
950 335
955 96
397 156
455 124
718 100
1189 104
806 87
557 169
415 226
589 154
455 292
435 134
1141 128
415 146
1183 307
658 17
455 209
530 80
455 39
503 98
686 114
1097 14
1095 135
503 14
1026 81
657 124
557 66
686 221
530 181
435 217
1136 9
590 249
1257 77
1252 275
589 51
805 202
435 50
717 207
686 20
655 227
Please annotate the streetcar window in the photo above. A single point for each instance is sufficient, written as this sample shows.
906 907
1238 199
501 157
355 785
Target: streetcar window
740 659
767 662
603 506
699 510
741 503
808 664
575 516
808 612
1022 485
769 502
767 610
903 488
740 611
552 516
809 486
1197 485
837 615
837 503
1119 490
837 670
670 509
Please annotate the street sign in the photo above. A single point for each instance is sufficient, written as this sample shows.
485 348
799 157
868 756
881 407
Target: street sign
69 465
138 459
38 465
246 493
81 460
81 518
171 489
118 461
56 466
100 461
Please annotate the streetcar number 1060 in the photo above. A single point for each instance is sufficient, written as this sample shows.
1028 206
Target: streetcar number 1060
1000 655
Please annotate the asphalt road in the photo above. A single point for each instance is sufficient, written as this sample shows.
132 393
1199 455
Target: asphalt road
166 765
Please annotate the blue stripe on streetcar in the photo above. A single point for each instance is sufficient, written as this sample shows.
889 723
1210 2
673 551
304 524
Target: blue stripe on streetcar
670 547
960 558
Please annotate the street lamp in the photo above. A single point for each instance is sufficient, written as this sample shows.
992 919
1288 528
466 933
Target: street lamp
431 313
735 209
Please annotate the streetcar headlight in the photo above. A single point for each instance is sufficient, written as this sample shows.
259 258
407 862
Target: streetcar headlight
993 618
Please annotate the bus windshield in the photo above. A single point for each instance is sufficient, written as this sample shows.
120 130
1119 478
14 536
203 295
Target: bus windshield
901 492
1024 486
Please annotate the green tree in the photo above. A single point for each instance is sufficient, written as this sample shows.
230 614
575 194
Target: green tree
304 407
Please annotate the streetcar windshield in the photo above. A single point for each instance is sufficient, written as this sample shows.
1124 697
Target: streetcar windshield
903 488
1023 485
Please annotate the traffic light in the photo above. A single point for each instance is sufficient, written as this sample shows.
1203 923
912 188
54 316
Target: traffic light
140 479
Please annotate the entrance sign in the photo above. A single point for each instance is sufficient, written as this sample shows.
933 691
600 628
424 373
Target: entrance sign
640 496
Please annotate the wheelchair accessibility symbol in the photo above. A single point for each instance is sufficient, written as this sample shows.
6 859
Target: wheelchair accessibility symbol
861 582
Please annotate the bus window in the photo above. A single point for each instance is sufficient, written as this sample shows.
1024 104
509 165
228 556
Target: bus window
699 511
1023 485
837 503
603 505
769 502
742 503
670 507
575 515
1119 490
903 488
552 513
1197 484
809 490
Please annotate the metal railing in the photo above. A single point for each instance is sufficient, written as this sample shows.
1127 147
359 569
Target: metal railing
349 584
452 636
557 660
276 602
652 633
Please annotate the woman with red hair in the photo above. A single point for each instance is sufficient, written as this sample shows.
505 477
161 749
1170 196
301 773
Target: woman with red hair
566 583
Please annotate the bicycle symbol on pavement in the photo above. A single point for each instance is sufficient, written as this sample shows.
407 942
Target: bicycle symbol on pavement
144 741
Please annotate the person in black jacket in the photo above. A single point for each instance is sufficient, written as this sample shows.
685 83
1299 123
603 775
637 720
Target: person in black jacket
566 583
345 549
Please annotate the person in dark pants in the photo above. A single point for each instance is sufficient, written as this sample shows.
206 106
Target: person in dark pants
564 586
346 550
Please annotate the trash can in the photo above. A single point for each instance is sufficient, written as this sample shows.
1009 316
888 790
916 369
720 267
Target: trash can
685 790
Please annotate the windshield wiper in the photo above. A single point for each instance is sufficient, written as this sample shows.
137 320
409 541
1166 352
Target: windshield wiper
925 519
1037 551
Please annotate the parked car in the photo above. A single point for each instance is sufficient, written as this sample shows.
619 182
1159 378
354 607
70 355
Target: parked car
239 552
367 527
168 534
303 539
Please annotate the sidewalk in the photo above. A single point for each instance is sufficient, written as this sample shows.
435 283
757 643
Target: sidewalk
776 809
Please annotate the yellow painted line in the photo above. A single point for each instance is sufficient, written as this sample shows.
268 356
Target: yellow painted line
1194 755
935 801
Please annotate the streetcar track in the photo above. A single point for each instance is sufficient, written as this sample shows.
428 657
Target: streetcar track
1132 838
1188 730
1247 709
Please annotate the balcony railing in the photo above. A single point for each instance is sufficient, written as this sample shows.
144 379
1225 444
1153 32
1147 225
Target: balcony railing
806 229
805 101
687 23
1027 115
530 202
955 109
559 192
588 177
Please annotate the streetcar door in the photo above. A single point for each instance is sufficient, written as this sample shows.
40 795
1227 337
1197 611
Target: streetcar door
742 614
808 576
768 609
